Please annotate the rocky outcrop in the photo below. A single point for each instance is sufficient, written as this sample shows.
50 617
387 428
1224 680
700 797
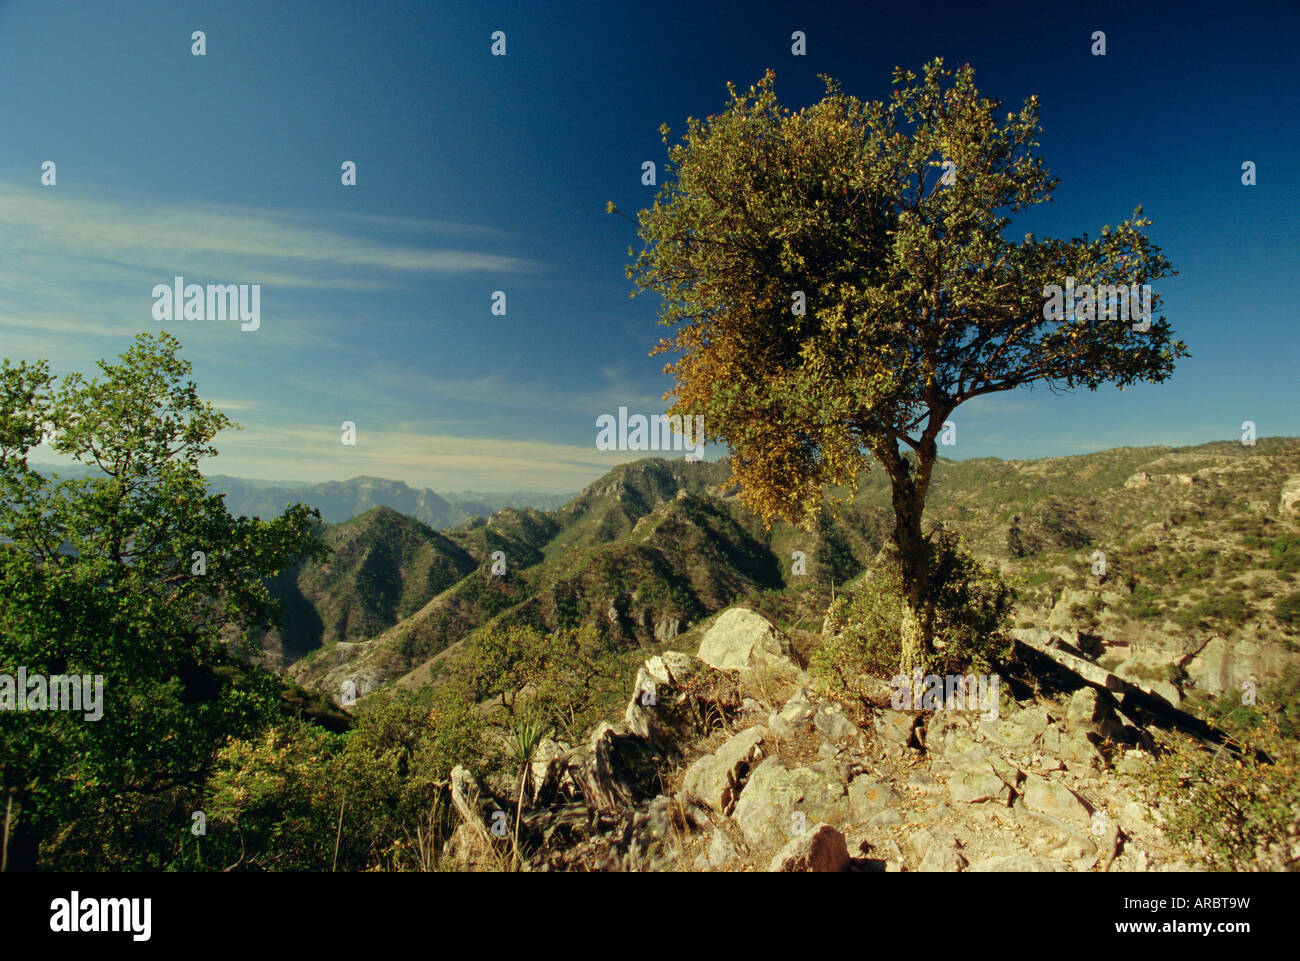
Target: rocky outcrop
701 774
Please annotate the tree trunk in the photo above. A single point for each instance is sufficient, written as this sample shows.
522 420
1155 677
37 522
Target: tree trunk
909 490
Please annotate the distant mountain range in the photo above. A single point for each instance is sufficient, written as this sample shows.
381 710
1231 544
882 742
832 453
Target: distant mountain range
1198 550
340 501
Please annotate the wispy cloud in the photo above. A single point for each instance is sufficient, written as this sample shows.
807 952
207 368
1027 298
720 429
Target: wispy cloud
55 228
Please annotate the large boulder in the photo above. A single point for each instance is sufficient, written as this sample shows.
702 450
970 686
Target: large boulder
821 849
716 779
675 699
743 641
774 795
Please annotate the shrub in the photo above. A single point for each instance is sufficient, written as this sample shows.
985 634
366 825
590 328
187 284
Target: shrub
1239 811
1287 610
971 613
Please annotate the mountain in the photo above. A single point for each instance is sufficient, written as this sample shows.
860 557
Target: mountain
383 567
646 552
339 501
1170 565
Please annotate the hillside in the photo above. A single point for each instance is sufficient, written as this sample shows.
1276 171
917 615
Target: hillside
383 567
643 553
1197 593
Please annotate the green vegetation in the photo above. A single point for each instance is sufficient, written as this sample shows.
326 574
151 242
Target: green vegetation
138 575
825 242
971 613
1237 808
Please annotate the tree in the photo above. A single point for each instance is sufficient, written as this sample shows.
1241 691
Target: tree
135 573
839 283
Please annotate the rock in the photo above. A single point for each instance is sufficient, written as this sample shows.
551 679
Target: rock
1020 863
830 720
743 641
1035 719
672 693
549 771
773 795
618 770
1093 711
920 781
961 752
1055 799
821 849
472 803
942 857
1290 494
886 818
1008 734
897 727
796 717
716 779
721 850
977 786
1140 479
1080 753
1134 761
667 629
919 843
867 796
1167 690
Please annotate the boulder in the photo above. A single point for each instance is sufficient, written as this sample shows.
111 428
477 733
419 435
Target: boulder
721 850
897 727
1055 799
796 717
942 858
830 720
821 849
716 779
743 641
868 795
672 696
978 785
773 795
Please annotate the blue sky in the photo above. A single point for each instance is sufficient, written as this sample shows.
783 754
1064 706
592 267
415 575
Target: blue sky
478 173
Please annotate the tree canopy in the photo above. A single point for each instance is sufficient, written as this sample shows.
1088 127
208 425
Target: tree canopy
839 279
136 573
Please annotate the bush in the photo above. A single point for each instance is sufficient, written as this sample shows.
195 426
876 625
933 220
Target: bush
1239 813
1287 610
971 611
1225 609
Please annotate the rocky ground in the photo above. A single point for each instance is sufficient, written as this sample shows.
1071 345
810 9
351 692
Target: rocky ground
727 760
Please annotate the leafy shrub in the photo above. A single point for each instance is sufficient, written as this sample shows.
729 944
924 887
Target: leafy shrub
971 611
1225 609
1238 811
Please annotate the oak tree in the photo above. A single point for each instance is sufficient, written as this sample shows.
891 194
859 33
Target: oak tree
839 279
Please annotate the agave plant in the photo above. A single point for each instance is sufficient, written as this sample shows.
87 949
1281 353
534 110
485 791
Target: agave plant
528 730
